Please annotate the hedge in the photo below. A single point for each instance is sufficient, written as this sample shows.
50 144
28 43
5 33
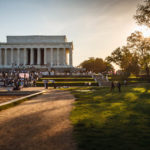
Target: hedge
67 79
65 76
69 82
66 84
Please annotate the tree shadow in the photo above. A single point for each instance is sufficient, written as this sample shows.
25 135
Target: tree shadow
36 132
113 122
54 95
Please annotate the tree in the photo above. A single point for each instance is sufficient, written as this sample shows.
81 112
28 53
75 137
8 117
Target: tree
141 46
143 18
96 65
116 57
143 14
135 56
126 60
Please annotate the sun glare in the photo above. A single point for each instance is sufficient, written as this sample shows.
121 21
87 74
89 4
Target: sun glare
145 30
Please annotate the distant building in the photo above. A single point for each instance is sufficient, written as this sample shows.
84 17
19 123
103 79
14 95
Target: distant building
37 51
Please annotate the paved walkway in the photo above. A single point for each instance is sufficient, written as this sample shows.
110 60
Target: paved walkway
41 123
24 89
34 89
6 95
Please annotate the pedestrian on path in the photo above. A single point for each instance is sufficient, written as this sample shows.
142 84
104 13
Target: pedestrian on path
46 84
125 82
54 85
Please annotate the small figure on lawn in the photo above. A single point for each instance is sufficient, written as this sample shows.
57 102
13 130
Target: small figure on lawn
119 86
125 82
112 86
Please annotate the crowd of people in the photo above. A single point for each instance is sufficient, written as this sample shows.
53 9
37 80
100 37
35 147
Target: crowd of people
17 79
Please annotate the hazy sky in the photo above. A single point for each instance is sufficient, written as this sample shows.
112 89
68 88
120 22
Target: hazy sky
96 27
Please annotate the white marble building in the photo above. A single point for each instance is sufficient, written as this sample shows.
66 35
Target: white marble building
38 51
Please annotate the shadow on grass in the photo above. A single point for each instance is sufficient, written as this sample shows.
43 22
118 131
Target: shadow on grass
112 121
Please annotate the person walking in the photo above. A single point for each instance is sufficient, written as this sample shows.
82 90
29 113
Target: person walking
112 86
54 85
119 86
46 84
125 82
34 83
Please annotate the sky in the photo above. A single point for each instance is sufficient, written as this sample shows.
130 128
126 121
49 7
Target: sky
96 27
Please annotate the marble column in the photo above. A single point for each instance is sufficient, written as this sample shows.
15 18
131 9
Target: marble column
51 57
70 57
25 57
0 56
57 56
5 60
31 56
64 57
18 56
12 54
45 56
39 56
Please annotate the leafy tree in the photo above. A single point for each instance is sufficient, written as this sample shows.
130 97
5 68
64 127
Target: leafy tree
126 60
141 46
116 57
109 67
136 55
143 18
143 14
96 65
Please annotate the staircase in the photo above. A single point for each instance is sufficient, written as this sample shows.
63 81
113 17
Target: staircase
101 80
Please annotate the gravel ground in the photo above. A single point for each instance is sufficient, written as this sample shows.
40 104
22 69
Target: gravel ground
41 123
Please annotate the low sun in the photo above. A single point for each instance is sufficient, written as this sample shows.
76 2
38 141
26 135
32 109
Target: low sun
145 30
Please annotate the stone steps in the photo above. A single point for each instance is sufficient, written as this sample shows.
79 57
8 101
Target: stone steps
102 81
69 81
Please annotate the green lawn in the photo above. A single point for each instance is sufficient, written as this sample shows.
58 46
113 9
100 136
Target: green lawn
112 121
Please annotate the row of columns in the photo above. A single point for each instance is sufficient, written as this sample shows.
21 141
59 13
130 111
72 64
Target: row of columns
38 56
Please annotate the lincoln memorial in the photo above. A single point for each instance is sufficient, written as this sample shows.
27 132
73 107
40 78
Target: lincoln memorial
37 51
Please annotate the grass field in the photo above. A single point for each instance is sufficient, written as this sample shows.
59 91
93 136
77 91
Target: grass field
132 79
112 121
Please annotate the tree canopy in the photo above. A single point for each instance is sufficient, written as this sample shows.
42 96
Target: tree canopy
126 60
143 14
96 65
141 46
135 56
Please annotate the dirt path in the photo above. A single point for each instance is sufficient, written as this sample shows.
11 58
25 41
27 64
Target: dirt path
41 123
